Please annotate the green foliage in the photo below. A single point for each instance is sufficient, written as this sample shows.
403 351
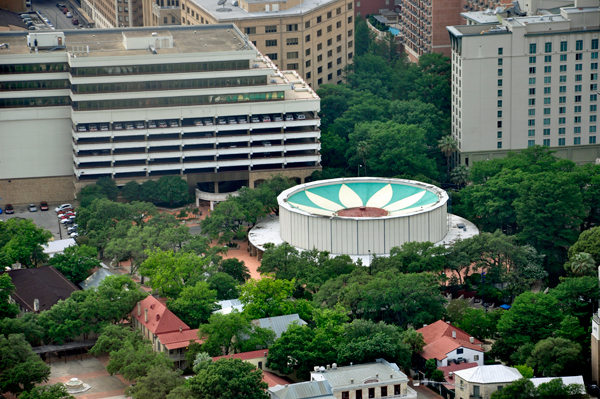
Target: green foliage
414 340
157 384
135 362
526 371
172 189
367 349
56 391
114 337
194 304
267 297
235 268
520 389
577 296
131 191
20 368
233 333
200 361
225 286
554 356
556 389
108 187
76 262
581 264
22 241
588 242
225 223
7 309
148 191
228 379
430 367
412 257
476 322
27 325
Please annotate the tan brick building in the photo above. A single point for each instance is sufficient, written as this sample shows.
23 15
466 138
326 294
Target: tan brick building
114 13
315 38
161 12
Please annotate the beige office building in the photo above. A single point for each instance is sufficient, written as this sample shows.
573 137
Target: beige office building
313 37
114 13
530 80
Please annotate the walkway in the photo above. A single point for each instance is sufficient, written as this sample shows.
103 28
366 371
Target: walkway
424 393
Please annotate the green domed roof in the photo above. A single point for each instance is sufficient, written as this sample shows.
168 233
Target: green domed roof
397 199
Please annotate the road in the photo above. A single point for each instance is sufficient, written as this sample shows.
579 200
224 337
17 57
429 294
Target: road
54 14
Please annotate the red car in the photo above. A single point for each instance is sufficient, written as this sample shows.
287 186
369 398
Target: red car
44 206
65 10
9 209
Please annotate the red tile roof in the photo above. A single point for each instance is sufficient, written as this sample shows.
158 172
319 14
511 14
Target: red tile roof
179 339
273 379
160 319
439 341
245 356
452 368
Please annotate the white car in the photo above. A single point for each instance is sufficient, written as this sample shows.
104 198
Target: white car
61 207
74 235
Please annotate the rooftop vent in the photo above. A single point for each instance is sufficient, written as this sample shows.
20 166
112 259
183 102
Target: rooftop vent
154 34
454 334
472 340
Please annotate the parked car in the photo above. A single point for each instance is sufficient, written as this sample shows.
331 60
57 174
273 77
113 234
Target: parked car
208 122
289 117
62 207
221 121
266 118
65 10
242 119
8 209
104 127
31 27
32 208
44 206
118 126
69 15
174 123
129 126
198 122
60 5
0 210
151 125
74 234
277 118
162 124
67 221
140 125
72 228
255 119
63 211
81 128
75 21
300 116
231 120
93 128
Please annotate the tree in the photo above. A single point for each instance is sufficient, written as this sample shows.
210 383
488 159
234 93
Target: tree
27 325
76 262
56 391
200 361
22 241
224 223
448 146
7 309
369 349
553 356
149 191
414 340
556 389
460 175
520 389
172 189
157 384
20 368
235 268
113 299
576 297
136 362
131 191
362 149
267 297
525 370
225 286
108 187
588 242
581 264
194 304
114 337
228 379
430 367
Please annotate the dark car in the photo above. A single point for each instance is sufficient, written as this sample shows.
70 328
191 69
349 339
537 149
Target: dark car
9 209
75 21
44 206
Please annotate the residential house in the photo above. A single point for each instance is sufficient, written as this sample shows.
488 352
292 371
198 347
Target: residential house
480 382
94 280
259 359
448 344
279 324
229 305
58 246
361 381
38 289
166 331
302 390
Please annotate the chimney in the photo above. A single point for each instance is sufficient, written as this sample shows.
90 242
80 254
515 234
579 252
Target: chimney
454 334
265 354
328 367
146 315
351 381
424 325
36 305
180 329
139 309
376 375
334 366
472 340
350 364
391 376
447 322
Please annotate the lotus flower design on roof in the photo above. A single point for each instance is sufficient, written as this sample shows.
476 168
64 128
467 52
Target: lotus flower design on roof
395 199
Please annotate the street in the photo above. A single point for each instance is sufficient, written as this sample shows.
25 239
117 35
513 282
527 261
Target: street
54 14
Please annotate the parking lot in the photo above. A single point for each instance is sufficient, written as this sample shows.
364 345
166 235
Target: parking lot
46 219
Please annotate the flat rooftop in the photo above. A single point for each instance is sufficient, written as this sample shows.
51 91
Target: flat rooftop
480 17
109 42
235 13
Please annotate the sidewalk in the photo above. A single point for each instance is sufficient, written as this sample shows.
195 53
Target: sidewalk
424 393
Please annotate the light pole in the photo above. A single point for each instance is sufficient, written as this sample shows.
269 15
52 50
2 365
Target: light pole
358 170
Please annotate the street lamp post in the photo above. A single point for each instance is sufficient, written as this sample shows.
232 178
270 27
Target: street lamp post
358 170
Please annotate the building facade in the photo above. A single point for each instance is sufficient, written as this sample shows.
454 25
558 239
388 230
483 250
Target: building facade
134 104
449 345
369 7
161 12
114 14
314 38
481 382
530 80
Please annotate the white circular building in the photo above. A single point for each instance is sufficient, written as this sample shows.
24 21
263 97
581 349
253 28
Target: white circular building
362 216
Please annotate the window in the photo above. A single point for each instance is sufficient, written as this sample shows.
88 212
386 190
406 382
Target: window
319 19
292 55
532 91
548 58
499 93
593 97
577 99
532 60
594 44
329 28
595 56
338 11
547 142
530 143
579 45
349 56
531 81
577 119
250 31
499 103
578 67
383 392
594 87
562 110
562 100
562 89
271 43
320 33
319 46
563 68
338 25
548 47
547 100
339 72
578 57
346 395
563 46
499 72
307 25
593 108
547 90
272 56
260 365
563 57
320 70
576 140
546 121
592 139
594 65
499 124
307 39
319 58
329 15
349 6
338 38
371 392
531 112
532 48
308 75
547 79
577 88
532 101
499 114
547 69
546 111
531 133
592 118
271 29
578 108
358 394
499 144
330 53
531 70
350 33
561 142
546 132
329 65
499 135
531 122
320 81
292 41
338 49
499 61
292 28
307 63
499 82
339 61
307 52
500 50
592 129
562 121
561 130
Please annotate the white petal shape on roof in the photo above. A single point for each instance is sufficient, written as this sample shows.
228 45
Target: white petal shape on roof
406 202
323 202
381 197
349 198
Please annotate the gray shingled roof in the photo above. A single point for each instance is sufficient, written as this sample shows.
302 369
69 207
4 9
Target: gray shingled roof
303 390
95 279
279 324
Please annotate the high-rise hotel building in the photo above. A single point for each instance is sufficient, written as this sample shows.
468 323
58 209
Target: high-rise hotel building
525 81
134 104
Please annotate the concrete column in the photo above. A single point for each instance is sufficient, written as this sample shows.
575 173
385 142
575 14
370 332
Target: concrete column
212 205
